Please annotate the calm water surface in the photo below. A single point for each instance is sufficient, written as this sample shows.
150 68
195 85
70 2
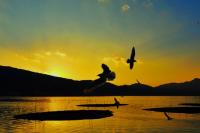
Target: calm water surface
126 119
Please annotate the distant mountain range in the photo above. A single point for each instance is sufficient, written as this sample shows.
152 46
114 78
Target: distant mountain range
18 82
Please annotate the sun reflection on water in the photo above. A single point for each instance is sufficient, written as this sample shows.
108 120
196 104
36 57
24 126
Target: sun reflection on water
129 118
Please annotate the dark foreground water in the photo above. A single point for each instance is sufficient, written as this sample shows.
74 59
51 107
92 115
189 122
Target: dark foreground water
126 119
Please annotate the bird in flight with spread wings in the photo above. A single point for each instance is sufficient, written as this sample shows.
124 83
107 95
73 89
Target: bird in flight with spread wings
107 74
106 71
132 60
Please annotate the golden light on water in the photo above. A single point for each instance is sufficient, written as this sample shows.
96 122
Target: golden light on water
132 114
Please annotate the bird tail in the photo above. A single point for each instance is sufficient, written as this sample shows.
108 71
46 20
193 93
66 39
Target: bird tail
128 61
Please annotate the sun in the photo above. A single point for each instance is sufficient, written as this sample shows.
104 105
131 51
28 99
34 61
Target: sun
56 73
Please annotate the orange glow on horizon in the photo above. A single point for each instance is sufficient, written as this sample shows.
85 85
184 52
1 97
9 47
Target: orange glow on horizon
86 66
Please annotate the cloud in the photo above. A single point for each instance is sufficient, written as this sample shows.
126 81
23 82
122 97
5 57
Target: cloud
26 58
103 1
61 54
125 8
148 3
139 61
50 56
48 53
18 56
116 60
38 55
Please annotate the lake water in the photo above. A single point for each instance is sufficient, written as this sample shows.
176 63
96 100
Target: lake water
126 119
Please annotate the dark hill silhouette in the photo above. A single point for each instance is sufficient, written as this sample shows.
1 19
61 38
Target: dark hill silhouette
18 82
185 88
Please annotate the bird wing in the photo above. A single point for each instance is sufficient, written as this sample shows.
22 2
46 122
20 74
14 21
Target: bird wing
132 54
137 81
115 99
105 68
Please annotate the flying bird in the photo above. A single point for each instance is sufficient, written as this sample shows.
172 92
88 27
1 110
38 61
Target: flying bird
106 71
117 103
107 74
168 117
132 60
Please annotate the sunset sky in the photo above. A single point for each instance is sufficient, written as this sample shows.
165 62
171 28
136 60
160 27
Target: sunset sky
72 38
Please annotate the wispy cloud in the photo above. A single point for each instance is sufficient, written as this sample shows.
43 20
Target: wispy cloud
103 1
50 53
148 3
139 61
125 8
27 58
61 54
38 55
115 60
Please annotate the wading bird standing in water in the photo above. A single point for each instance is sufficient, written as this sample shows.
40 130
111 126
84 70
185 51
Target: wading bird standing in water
132 60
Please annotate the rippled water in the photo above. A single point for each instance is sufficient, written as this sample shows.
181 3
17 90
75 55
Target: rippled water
130 118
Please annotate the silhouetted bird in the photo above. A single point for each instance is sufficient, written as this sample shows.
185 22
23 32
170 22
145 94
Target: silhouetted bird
107 73
168 117
132 60
116 102
138 82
